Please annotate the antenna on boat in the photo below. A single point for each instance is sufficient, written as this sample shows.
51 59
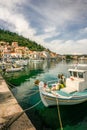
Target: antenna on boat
76 65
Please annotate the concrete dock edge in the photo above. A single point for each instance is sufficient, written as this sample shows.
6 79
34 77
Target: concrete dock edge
10 110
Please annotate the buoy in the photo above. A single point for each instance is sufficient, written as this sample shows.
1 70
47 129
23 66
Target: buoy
37 82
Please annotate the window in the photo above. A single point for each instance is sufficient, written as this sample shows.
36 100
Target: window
75 74
80 75
71 74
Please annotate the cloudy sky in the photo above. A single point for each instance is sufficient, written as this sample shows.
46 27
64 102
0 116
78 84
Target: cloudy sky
60 25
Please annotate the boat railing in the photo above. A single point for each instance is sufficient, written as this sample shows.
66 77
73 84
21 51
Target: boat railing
50 83
78 66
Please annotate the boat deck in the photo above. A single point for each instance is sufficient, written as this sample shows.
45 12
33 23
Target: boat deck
83 93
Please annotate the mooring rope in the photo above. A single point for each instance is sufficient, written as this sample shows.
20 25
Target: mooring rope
10 84
16 118
30 90
58 109
32 93
7 126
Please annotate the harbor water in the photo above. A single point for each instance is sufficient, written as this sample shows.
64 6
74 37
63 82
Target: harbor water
27 94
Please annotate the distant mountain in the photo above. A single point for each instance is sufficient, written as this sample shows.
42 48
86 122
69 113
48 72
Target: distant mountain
10 37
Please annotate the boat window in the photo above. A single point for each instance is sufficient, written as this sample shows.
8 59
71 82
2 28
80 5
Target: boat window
80 75
71 74
75 74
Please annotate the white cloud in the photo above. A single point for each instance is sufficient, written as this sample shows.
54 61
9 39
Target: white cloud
55 18
58 13
9 15
69 47
11 3
83 30
49 29
48 35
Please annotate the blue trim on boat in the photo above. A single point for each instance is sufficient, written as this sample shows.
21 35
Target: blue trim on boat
83 93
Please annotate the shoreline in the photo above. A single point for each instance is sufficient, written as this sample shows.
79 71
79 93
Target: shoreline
10 111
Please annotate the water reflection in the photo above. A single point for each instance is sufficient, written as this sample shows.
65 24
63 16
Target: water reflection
73 117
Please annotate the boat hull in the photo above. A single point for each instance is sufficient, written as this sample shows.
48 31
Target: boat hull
14 69
52 98
53 101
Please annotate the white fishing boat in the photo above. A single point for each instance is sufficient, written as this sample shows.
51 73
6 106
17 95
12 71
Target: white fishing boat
21 62
74 92
14 69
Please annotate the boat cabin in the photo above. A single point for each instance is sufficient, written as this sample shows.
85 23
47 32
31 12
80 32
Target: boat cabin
80 74
77 81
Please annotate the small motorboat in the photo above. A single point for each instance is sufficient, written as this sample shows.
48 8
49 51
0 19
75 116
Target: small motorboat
14 68
74 92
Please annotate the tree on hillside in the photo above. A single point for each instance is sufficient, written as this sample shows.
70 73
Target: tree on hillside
10 37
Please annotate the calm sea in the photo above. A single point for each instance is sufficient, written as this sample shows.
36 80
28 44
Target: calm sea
27 94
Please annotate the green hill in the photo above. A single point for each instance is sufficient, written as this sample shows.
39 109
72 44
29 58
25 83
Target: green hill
10 37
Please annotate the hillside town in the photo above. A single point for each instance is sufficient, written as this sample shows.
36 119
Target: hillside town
16 51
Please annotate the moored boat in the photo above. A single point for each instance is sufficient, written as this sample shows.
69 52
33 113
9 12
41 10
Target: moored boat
74 92
14 69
